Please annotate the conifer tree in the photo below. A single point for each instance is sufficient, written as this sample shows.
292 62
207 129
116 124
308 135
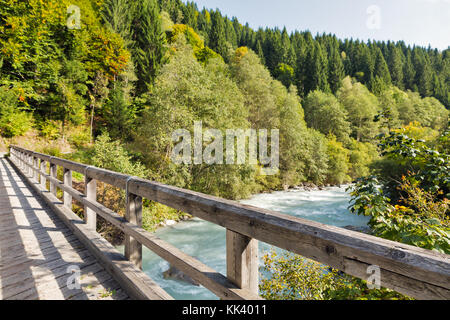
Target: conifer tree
260 52
316 70
424 74
117 15
149 40
409 72
395 63
336 70
217 39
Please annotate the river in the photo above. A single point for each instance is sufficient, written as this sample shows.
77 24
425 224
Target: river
206 241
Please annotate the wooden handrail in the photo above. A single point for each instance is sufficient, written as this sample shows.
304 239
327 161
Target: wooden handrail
413 271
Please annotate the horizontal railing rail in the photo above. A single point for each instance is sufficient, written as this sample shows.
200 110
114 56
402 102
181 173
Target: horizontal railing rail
413 271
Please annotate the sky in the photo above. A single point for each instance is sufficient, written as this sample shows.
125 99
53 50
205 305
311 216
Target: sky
420 22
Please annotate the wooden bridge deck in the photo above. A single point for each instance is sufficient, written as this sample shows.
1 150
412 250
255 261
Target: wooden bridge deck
37 250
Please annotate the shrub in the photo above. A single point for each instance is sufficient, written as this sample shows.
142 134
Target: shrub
292 277
51 129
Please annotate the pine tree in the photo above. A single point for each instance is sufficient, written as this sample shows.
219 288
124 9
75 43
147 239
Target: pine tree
217 39
336 70
381 76
230 33
117 15
190 14
439 91
395 63
409 72
260 52
365 63
149 40
424 73
317 70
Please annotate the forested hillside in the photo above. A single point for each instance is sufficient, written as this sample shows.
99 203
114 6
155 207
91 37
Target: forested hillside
137 70
107 82
322 61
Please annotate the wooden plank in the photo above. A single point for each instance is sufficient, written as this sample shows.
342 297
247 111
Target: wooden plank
34 241
131 279
20 282
17 250
12 236
48 281
52 256
242 261
133 249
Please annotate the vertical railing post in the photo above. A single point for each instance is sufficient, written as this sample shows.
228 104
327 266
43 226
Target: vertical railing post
20 160
35 166
133 249
68 183
90 217
27 166
242 261
44 170
53 174
30 163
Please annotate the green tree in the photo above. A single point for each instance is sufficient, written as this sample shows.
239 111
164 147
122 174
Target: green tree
336 70
338 162
316 70
184 92
395 63
409 72
217 38
323 112
285 74
361 106
118 15
149 43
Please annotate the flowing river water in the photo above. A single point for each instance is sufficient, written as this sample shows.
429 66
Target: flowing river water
206 241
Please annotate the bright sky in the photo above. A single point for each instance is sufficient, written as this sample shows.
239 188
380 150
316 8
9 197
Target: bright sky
420 22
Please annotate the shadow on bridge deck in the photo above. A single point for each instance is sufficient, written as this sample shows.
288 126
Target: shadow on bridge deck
40 258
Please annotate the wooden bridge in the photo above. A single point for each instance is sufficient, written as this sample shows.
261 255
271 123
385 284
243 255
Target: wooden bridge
44 245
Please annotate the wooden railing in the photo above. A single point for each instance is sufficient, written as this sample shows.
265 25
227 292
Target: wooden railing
413 271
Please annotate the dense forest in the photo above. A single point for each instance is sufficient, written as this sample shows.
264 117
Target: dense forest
106 82
136 70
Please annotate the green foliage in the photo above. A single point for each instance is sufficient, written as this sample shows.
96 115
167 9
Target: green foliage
51 129
409 203
54 63
338 162
323 112
185 92
13 120
362 107
428 111
148 43
423 222
361 157
111 155
118 113
285 74
292 277
426 166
